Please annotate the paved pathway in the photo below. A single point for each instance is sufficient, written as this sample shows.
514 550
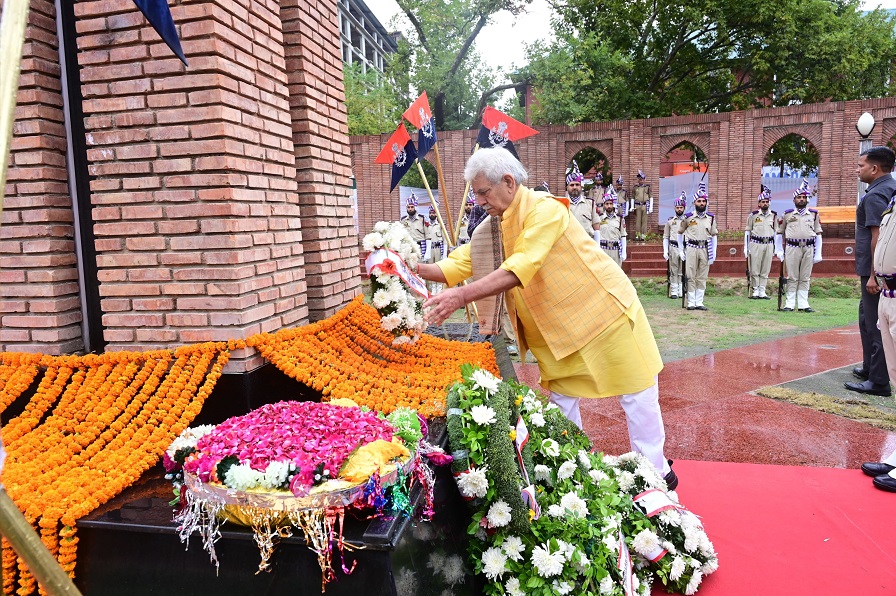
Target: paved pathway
711 414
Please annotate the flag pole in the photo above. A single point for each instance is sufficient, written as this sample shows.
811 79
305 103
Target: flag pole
13 525
432 199
445 193
463 201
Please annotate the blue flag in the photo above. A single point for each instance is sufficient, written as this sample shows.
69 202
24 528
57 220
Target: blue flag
400 153
159 16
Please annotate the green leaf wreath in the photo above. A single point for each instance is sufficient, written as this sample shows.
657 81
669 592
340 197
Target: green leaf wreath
589 520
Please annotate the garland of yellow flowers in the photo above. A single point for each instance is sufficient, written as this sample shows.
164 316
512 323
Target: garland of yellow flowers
350 355
96 423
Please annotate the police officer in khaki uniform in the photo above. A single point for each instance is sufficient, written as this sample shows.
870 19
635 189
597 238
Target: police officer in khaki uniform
437 248
798 244
642 205
884 267
463 235
621 197
759 240
580 206
611 232
697 234
596 192
415 224
671 247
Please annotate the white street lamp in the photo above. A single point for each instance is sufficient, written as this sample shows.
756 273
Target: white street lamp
864 127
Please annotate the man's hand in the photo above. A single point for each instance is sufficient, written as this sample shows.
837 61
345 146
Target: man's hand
442 305
666 256
872 286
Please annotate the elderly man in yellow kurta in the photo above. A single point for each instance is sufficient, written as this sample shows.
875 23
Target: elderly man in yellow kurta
567 300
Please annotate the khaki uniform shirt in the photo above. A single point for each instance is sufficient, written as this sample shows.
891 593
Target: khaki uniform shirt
612 228
885 251
433 231
698 227
670 230
762 225
416 227
584 213
795 225
641 194
463 236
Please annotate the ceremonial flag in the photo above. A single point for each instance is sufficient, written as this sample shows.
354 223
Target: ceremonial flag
500 130
400 153
159 16
421 117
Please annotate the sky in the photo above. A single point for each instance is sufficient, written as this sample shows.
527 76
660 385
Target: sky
503 51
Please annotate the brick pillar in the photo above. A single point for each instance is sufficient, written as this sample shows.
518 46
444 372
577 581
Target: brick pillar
322 154
194 189
40 309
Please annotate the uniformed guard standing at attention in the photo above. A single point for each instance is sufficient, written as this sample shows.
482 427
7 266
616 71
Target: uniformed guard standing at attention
798 244
611 233
621 197
759 242
697 234
463 235
671 247
414 223
642 204
580 206
437 248
597 194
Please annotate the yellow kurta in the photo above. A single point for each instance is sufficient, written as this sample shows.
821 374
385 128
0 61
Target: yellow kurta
622 358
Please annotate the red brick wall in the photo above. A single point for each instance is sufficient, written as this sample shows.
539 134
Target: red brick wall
220 191
40 308
735 144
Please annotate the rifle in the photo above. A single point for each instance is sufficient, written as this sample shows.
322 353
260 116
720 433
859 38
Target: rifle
782 286
749 277
684 282
669 276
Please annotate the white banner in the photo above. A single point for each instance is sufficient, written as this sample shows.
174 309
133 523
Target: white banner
654 501
386 261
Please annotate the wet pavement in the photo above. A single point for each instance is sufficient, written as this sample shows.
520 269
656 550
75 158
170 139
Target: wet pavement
712 414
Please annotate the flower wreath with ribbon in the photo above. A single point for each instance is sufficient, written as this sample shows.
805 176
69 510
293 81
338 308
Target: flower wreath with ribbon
594 524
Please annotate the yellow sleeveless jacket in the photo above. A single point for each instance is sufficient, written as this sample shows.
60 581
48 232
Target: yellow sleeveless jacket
577 292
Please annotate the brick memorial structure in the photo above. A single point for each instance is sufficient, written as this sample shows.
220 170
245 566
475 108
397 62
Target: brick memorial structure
219 193
735 145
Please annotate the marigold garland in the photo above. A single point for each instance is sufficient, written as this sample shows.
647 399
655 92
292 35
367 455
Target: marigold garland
96 423
350 355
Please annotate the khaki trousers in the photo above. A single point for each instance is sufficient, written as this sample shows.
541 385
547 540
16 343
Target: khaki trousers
760 266
640 220
798 260
697 267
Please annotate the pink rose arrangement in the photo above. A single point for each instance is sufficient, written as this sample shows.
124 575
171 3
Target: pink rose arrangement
288 445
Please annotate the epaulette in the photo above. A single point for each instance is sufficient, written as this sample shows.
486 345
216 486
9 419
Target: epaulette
754 212
775 213
789 211
689 214
815 211
710 214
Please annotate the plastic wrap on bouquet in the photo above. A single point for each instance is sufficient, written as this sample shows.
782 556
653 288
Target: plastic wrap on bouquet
274 515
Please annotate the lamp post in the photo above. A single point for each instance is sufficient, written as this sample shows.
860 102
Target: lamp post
864 127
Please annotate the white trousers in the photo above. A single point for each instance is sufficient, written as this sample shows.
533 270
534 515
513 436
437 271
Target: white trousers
646 433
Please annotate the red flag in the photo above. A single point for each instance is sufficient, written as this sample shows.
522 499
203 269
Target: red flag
396 143
420 116
419 113
503 125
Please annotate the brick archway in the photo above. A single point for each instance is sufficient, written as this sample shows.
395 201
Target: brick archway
888 130
810 132
698 140
604 146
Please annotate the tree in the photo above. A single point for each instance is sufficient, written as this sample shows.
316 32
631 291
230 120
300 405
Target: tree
794 151
370 102
650 58
438 56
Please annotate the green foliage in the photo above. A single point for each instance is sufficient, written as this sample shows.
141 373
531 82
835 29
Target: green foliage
370 101
652 58
794 151
438 56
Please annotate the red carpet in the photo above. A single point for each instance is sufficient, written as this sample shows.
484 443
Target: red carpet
784 530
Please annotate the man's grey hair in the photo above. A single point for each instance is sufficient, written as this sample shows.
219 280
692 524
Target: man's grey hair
494 163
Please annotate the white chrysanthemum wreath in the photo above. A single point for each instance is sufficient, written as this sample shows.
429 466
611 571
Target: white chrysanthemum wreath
396 292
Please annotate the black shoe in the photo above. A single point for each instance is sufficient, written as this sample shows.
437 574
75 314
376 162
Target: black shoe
701 307
670 478
785 309
692 308
765 297
886 483
869 388
754 297
808 309
674 297
876 468
860 373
